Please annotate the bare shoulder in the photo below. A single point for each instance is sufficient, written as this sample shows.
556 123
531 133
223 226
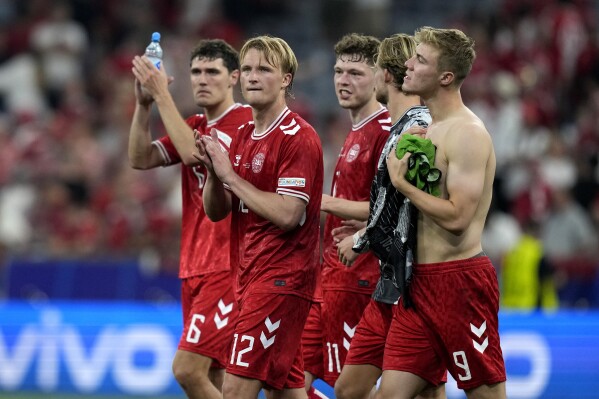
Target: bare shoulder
469 128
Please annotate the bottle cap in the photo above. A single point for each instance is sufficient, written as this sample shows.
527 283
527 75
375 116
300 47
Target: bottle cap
156 37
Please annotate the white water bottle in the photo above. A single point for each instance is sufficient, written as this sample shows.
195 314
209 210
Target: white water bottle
154 51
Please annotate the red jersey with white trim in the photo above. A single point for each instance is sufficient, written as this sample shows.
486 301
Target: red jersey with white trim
352 179
204 244
285 159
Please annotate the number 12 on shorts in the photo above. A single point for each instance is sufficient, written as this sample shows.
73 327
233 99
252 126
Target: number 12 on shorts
237 361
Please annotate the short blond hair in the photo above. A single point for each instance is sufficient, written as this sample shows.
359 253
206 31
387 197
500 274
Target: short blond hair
456 49
393 53
276 52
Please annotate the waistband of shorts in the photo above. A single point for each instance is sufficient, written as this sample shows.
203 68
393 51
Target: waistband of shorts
452 265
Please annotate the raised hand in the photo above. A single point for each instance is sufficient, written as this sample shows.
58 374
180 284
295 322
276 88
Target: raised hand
221 165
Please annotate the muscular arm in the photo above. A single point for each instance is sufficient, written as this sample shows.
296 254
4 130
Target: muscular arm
156 81
345 209
467 151
142 154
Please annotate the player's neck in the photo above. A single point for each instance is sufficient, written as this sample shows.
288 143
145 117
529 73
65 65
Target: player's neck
264 117
398 103
219 109
359 114
444 104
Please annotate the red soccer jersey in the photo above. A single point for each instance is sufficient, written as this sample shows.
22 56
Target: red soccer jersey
285 159
354 172
204 244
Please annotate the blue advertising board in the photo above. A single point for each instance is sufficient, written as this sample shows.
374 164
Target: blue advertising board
126 348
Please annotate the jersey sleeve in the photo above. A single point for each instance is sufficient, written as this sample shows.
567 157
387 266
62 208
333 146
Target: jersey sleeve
299 165
167 148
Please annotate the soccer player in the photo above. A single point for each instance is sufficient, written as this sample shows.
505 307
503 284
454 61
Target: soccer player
346 290
364 361
453 323
271 182
207 295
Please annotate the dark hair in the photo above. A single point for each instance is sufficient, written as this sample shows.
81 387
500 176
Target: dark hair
358 48
212 49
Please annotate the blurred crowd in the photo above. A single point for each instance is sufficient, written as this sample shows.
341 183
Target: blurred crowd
66 101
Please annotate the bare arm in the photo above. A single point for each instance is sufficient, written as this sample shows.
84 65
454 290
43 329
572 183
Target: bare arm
156 81
467 153
142 154
284 211
345 209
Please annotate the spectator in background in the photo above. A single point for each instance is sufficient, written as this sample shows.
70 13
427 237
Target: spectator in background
570 242
60 43
207 273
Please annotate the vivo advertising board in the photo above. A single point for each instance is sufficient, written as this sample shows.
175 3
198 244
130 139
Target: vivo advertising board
127 349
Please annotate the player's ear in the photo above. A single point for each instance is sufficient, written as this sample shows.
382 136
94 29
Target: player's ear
287 78
234 77
447 78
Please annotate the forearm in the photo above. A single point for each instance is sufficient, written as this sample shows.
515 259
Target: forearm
442 211
217 201
283 211
140 139
178 130
346 209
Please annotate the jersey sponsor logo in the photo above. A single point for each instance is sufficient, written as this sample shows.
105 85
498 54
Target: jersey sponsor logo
258 162
353 152
292 182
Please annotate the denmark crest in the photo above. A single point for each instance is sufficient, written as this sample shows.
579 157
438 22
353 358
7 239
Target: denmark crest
257 162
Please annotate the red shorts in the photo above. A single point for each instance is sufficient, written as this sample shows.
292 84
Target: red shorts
312 342
267 341
453 326
341 313
209 316
368 344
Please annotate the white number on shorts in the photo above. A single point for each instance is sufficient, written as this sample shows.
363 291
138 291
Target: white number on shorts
336 362
242 207
241 352
463 364
193 334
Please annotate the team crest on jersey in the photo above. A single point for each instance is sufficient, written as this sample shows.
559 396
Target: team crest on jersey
257 162
292 182
237 159
353 152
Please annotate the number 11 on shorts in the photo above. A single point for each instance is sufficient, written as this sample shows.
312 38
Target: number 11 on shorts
337 362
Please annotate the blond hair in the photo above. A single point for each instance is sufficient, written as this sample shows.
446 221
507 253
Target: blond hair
456 50
277 53
393 53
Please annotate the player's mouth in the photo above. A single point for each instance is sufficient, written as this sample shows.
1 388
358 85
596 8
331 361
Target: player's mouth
344 94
